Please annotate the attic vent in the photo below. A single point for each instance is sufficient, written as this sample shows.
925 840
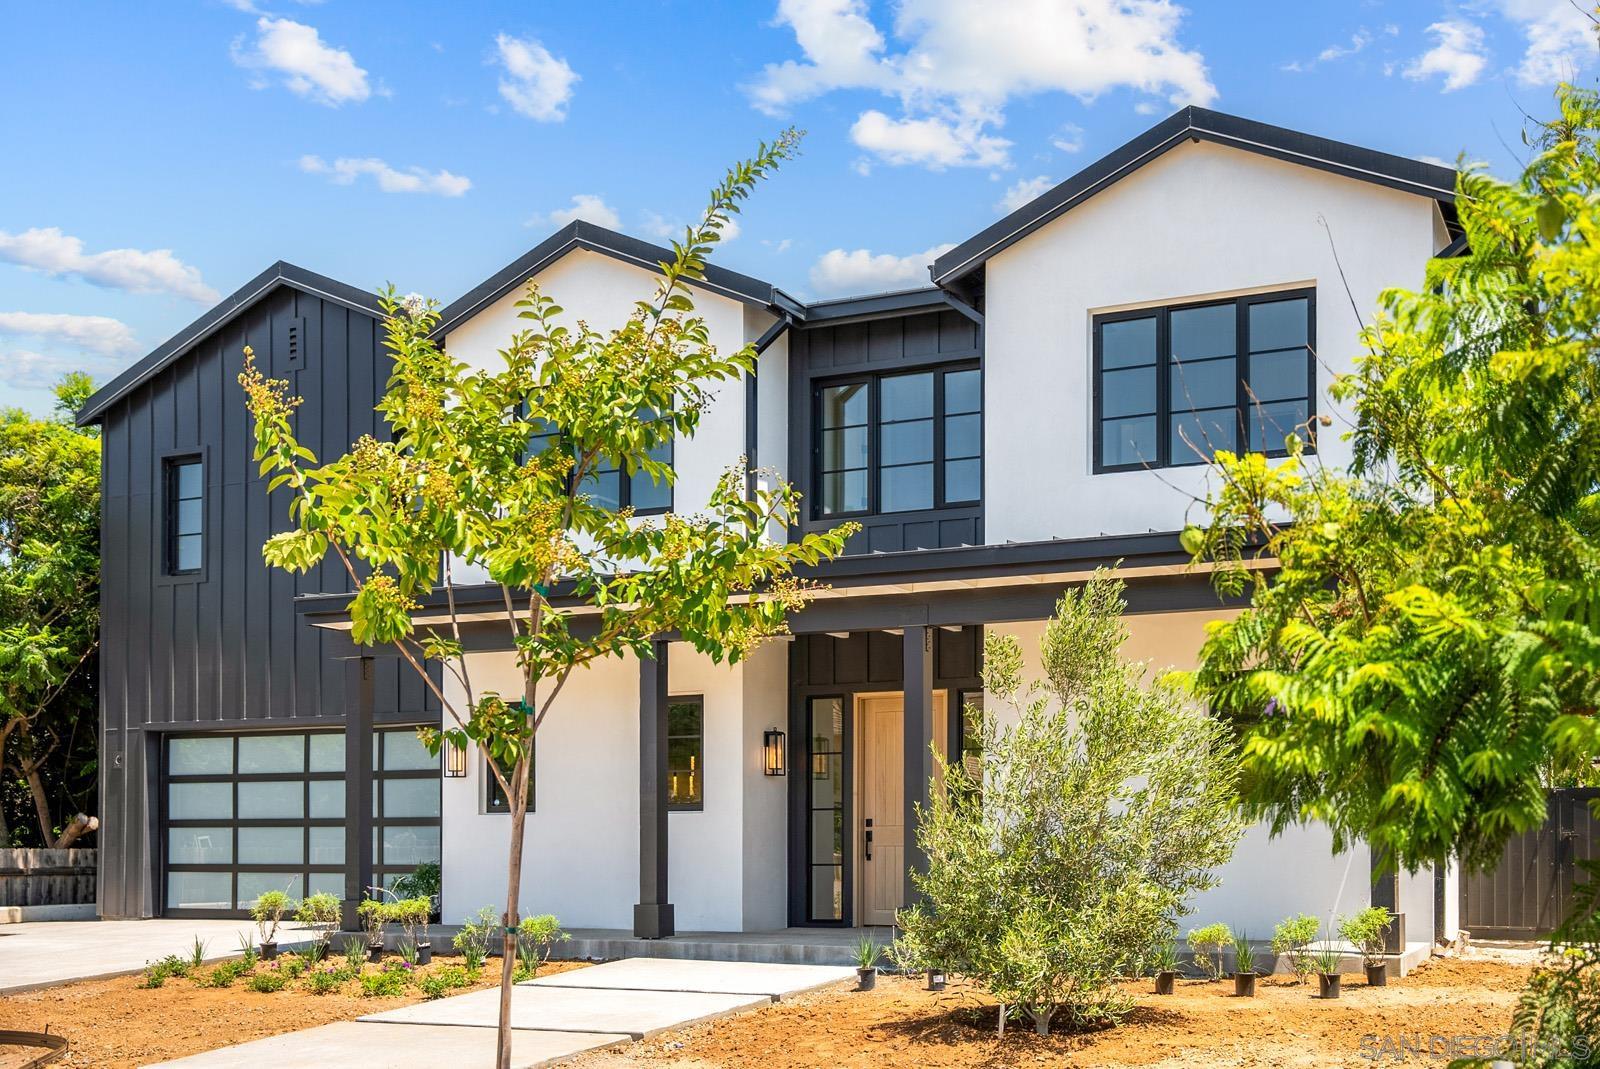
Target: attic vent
295 343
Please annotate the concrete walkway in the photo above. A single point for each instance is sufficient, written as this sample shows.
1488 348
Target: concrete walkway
553 1018
37 954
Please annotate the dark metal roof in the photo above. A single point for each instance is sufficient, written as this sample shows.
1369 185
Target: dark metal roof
581 234
1199 124
281 273
875 305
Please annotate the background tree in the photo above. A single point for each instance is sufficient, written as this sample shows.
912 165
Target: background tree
494 469
1099 811
49 619
1422 665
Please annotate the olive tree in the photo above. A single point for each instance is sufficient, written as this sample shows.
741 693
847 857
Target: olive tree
494 468
1101 808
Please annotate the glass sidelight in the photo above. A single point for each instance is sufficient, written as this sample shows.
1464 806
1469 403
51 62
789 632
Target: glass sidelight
825 794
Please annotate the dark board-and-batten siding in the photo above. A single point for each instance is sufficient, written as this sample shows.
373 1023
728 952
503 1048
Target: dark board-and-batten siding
886 344
223 647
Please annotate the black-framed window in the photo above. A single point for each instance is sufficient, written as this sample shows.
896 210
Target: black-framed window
686 752
248 813
185 509
906 442
1173 385
494 799
825 801
611 488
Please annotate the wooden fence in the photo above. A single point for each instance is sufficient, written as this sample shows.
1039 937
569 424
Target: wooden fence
47 877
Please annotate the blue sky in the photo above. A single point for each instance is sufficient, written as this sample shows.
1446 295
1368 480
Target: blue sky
162 154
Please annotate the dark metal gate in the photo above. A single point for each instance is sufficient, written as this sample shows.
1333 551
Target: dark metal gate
1527 895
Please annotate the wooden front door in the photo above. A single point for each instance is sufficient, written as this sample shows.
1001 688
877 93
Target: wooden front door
881 801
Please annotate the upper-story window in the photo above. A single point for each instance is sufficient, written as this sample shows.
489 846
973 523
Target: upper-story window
1173 385
185 493
609 487
899 443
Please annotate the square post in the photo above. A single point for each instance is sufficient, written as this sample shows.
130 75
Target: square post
358 702
652 915
917 651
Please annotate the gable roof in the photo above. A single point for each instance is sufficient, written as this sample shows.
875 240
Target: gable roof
281 273
1200 124
581 234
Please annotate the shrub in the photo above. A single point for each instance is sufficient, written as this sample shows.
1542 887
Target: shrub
268 980
1292 940
412 915
355 955
247 950
1162 957
1244 955
1368 931
535 937
319 912
423 881
225 973
473 938
159 972
1097 815
390 980
325 981
292 966
197 953
268 914
1207 945
441 981
374 918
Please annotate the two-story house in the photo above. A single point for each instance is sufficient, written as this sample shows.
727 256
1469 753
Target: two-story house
1044 407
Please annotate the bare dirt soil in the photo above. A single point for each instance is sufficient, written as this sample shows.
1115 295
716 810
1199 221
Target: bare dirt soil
1202 1026
116 1024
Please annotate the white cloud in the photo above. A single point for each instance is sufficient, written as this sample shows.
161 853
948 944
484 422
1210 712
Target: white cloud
1069 138
1023 192
308 66
659 226
100 334
590 207
47 249
1458 54
24 369
535 83
345 170
1560 38
958 63
840 272
934 142
782 245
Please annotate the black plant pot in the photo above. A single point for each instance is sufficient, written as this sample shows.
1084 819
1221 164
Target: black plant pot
1244 984
424 953
375 953
866 979
269 951
1378 975
936 980
1165 981
1328 984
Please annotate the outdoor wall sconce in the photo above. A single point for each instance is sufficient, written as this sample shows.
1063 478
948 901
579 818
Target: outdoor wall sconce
819 758
773 751
455 760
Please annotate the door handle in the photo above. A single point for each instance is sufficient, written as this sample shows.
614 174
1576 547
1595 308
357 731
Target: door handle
868 842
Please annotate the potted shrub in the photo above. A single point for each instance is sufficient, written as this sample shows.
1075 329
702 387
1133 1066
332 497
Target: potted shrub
1368 931
1164 964
1207 945
374 918
1292 940
1244 967
320 913
268 914
412 915
1327 960
866 965
472 941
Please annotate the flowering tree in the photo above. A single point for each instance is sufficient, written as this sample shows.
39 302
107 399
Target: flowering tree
493 468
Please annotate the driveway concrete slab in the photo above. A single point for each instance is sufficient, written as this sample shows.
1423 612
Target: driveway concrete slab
711 977
563 1009
37 954
397 1046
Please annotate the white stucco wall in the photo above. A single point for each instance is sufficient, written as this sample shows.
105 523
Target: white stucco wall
1268 879
1201 221
582 853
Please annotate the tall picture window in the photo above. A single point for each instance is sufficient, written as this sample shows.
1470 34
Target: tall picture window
185 497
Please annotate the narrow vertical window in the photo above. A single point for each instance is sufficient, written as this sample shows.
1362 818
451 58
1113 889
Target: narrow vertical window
686 753
185 516
825 789
905 443
1128 401
1280 372
843 468
963 436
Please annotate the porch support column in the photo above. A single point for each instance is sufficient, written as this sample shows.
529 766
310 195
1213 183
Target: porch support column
1386 892
917 647
652 916
357 788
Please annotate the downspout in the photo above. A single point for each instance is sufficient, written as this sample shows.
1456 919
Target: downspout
752 417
